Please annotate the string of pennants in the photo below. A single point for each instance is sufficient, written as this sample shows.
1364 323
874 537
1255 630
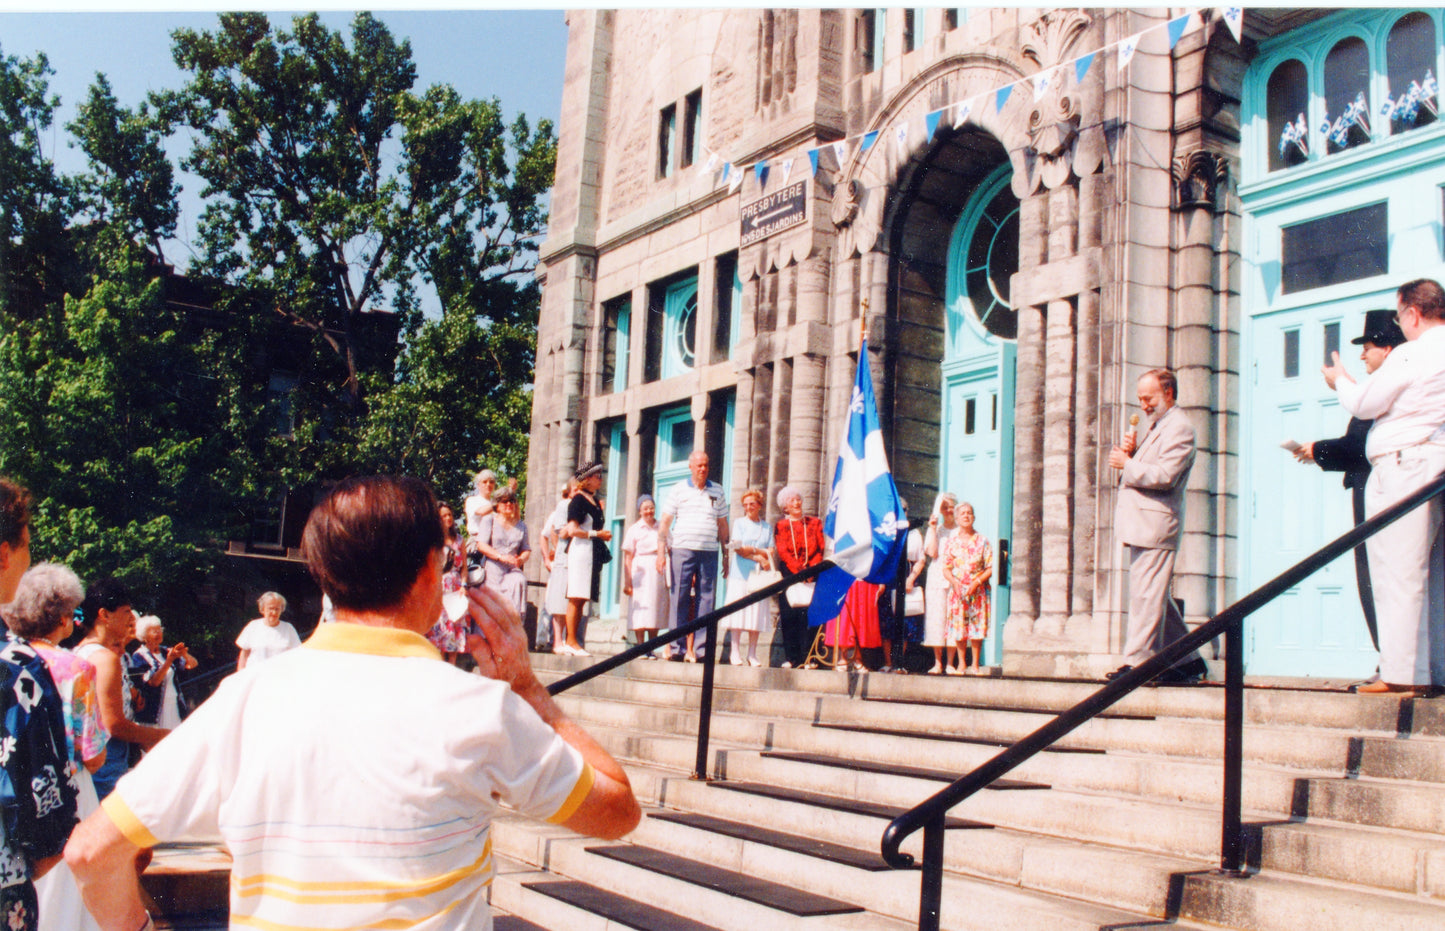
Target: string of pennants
1041 83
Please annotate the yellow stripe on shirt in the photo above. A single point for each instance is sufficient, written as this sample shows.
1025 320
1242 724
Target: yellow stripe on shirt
576 796
388 924
319 892
127 823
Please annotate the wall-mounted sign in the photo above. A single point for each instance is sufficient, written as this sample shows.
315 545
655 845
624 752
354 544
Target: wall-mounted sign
778 211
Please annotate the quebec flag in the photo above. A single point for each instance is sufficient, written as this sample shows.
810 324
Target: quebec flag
863 519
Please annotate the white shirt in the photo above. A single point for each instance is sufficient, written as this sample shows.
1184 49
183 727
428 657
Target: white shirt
476 507
695 512
353 781
1405 397
265 641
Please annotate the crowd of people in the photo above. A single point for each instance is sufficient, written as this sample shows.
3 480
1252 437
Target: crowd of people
680 556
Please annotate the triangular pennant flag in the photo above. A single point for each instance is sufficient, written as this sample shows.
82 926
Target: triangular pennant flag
965 110
812 162
761 170
1127 48
840 152
901 134
868 140
1042 82
1001 97
1176 28
1081 67
711 163
1234 19
736 182
930 123
727 170
787 167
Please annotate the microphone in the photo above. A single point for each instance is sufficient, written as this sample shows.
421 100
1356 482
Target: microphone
1131 438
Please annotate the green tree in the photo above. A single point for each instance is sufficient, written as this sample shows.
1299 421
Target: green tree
334 189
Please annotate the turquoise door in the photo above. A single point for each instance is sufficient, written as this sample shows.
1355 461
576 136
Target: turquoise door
1317 628
977 434
615 510
675 435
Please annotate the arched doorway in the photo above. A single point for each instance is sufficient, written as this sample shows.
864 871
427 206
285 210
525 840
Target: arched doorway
953 251
977 435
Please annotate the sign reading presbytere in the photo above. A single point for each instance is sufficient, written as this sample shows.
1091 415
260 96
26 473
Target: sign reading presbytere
778 211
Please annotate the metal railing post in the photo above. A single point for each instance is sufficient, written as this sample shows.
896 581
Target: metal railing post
1231 844
704 708
930 899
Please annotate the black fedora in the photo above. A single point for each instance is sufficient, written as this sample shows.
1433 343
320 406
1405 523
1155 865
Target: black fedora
1380 329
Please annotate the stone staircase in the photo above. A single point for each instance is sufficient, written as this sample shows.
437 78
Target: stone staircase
1117 827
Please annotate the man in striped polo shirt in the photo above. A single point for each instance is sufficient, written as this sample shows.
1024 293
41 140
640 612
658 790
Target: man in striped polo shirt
354 780
694 527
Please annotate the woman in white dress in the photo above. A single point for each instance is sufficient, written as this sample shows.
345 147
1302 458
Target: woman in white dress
935 588
582 534
751 539
554 559
641 582
267 635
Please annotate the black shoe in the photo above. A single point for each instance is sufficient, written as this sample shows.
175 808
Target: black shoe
1111 676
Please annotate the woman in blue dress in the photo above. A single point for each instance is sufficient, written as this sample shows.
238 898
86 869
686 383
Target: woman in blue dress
751 540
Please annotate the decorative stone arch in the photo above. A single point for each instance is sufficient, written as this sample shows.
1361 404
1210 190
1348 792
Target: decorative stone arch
1056 145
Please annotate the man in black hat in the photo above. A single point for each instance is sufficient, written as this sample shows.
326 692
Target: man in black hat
1347 453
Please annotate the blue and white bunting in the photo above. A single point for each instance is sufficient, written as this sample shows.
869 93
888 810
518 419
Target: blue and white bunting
1405 106
787 167
1177 27
1127 48
864 512
1234 19
1042 82
965 110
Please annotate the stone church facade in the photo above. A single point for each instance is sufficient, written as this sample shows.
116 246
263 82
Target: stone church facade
1016 268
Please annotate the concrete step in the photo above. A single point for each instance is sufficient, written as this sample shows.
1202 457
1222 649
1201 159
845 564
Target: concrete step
891 896
1268 902
545 900
1393 860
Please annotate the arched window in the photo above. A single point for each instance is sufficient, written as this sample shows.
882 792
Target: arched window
1410 59
1347 102
985 254
1287 100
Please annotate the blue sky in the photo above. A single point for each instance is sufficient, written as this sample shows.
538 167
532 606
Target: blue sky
516 56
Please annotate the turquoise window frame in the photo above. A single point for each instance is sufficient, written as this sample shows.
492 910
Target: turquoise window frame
961 312
675 303
1311 45
623 346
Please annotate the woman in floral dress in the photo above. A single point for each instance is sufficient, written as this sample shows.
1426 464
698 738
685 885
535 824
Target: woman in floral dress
967 568
450 635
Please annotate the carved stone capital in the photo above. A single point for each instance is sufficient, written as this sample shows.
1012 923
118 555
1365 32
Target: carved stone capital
1049 39
1197 177
847 201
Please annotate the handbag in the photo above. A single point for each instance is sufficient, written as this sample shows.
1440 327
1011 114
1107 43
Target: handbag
601 554
913 603
762 578
800 595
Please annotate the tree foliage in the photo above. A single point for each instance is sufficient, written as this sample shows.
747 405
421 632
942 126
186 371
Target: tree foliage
342 208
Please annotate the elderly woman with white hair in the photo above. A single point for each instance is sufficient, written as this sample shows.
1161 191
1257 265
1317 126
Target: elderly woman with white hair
479 504
152 670
798 543
43 613
267 635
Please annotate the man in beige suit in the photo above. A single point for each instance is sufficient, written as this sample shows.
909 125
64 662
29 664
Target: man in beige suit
1149 519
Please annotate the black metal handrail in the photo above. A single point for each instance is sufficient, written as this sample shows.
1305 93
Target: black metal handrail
929 814
709 622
